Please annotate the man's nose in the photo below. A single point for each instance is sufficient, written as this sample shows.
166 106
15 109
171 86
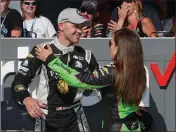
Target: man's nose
84 13
31 6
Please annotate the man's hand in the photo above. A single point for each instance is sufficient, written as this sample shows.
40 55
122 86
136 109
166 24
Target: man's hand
34 107
98 28
42 53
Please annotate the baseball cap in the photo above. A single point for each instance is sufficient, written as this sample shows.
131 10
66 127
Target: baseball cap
90 4
73 15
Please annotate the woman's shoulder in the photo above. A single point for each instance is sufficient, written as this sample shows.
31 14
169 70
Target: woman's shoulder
43 18
146 20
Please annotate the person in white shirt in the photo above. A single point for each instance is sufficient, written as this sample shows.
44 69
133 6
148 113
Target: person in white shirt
35 25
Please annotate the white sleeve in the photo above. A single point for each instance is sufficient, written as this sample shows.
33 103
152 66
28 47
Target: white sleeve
50 30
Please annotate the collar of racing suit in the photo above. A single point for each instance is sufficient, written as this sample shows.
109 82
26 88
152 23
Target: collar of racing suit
64 49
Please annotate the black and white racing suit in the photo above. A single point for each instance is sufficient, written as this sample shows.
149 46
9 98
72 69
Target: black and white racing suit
64 112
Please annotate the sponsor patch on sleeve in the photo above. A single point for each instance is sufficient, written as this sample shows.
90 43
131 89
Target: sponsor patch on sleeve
19 88
30 56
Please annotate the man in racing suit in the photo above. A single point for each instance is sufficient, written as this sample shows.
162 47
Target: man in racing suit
64 111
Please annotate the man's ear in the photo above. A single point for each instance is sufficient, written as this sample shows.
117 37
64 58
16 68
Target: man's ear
61 26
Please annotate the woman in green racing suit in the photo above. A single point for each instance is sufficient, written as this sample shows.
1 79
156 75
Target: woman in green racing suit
127 78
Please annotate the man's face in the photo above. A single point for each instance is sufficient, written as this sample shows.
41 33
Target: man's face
4 5
87 13
72 32
29 6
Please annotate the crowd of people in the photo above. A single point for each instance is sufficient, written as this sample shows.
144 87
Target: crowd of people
68 71
132 14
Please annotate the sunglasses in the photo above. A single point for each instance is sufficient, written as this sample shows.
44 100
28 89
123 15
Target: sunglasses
83 10
30 3
110 43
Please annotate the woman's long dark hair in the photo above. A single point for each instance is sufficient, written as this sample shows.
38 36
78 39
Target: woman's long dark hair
131 75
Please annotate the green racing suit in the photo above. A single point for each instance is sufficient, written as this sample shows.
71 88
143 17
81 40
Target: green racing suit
122 117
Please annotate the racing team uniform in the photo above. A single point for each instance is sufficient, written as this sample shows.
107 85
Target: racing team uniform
117 115
64 112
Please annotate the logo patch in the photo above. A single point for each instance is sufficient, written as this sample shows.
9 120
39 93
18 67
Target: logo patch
63 87
25 63
30 56
95 74
81 58
19 88
24 69
75 57
106 70
78 64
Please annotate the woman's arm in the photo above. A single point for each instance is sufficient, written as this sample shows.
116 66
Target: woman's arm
99 78
148 27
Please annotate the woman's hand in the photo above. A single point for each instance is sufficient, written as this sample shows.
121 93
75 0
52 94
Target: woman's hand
138 112
113 26
122 12
42 53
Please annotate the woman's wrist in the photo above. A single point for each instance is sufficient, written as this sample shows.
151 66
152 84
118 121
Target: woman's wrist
50 58
120 23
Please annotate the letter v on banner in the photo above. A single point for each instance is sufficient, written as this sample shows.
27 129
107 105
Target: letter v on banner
164 79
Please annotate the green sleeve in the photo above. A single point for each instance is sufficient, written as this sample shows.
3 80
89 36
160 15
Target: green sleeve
70 75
